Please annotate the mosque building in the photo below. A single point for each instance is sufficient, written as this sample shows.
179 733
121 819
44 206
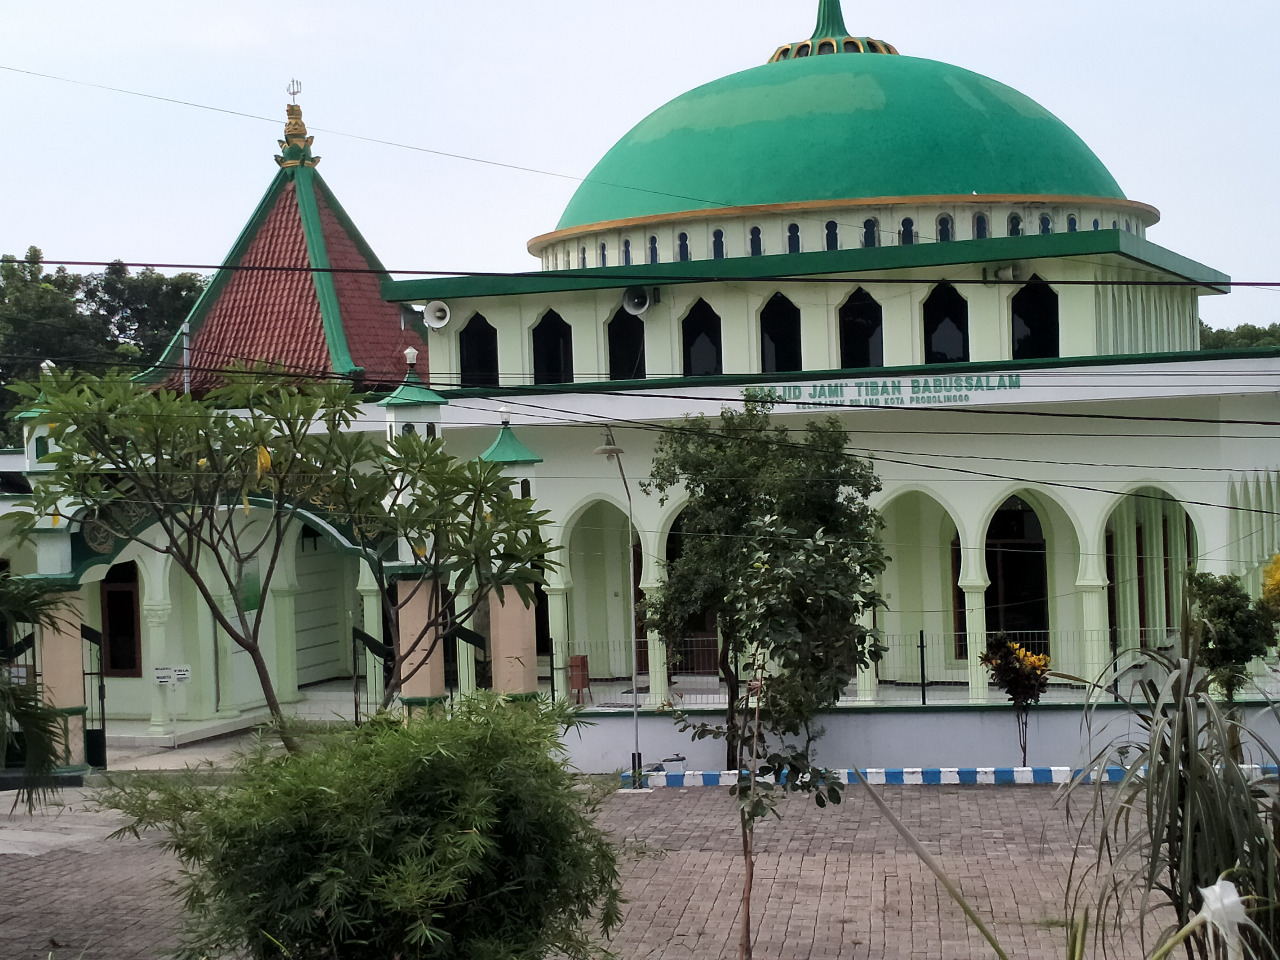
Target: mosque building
918 250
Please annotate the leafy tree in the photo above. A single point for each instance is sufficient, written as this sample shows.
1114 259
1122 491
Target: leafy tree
27 725
742 469
1236 629
1244 336
172 471
140 312
460 837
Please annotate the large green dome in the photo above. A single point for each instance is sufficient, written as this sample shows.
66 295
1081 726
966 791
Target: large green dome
840 127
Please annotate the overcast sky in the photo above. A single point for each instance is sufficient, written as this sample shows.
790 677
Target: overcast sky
1178 98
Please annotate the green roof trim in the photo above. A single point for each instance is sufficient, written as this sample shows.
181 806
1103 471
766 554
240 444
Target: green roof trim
508 449
318 255
413 392
830 21
821 128
1088 243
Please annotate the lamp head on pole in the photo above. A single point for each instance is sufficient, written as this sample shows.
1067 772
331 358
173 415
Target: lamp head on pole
410 357
608 448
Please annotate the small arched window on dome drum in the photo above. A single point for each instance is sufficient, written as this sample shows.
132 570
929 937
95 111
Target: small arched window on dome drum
852 46
793 238
946 326
870 233
946 229
826 46
552 350
1035 321
833 235
682 247
1015 225
1114 225
804 49
700 333
876 46
861 332
653 249
783 53
757 244
717 245
907 236
1128 226
604 254
1096 224
478 353
626 252
779 336
1072 224
980 229
1046 224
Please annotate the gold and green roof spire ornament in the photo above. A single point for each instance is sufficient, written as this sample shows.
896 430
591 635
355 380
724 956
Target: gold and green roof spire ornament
830 36
295 148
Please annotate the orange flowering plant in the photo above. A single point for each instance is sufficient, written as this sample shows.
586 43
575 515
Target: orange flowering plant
1021 674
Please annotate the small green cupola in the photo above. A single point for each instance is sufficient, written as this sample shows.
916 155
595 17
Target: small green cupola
507 448
412 407
831 36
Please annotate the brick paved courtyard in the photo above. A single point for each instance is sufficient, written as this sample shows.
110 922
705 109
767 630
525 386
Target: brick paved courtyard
834 883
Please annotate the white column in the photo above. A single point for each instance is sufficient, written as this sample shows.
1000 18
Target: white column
975 619
558 621
465 652
285 638
371 610
155 618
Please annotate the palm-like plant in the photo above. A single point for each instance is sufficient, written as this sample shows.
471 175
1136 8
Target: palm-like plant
26 721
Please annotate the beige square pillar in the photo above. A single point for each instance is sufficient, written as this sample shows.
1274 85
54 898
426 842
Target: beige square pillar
427 678
513 643
62 671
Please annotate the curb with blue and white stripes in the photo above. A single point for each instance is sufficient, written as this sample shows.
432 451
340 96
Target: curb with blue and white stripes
915 775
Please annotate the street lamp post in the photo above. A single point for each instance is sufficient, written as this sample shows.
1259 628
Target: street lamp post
614 452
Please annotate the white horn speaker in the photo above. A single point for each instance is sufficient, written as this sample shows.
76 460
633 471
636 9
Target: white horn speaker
436 314
635 300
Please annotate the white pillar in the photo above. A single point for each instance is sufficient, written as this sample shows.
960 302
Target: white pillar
155 618
371 611
558 622
465 653
285 638
975 620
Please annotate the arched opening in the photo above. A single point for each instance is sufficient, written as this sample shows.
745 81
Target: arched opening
1046 224
1017 566
946 326
717 245
552 350
699 652
700 334
1150 545
626 347
1015 225
604 254
605 570
1035 321
322 637
1096 224
121 622
653 249
833 235
478 353
757 243
946 229
907 235
826 46
870 233
861 332
682 247
582 258
779 335
793 238
626 252
1072 224
980 228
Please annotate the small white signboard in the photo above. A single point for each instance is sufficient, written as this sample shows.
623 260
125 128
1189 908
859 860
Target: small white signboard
179 673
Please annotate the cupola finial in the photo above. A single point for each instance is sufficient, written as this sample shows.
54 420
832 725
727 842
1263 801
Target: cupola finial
830 20
295 148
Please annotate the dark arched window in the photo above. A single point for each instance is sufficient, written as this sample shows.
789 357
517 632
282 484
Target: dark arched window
980 228
1096 224
861 333
478 353
604 254
1017 598
717 245
826 46
626 252
946 229
946 326
682 247
653 249
552 350
757 245
779 335
700 333
908 234
870 231
1015 225
1072 225
833 235
626 347
1114 225
1046 224
121 625
1128 226
582 257
793 238
1035 321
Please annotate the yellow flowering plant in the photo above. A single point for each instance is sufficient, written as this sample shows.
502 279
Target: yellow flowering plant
1021 674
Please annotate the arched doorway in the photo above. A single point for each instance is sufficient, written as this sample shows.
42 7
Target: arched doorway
698 653
605 564
1150 545
1018 568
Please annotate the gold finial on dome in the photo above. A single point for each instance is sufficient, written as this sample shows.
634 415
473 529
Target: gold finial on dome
830 36
295 148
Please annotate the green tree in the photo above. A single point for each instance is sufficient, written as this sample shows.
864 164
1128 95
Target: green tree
742 469
178 475
1242 337
140 312
461 836
1236 629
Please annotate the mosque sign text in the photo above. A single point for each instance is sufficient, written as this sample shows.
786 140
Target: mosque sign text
899 391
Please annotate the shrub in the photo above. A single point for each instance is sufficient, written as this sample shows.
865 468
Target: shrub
460 835
1021 674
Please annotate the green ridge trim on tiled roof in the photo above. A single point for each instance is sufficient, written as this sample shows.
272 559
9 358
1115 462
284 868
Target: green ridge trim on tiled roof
171 358
318 255
508 449
800 376
780 266
413 392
